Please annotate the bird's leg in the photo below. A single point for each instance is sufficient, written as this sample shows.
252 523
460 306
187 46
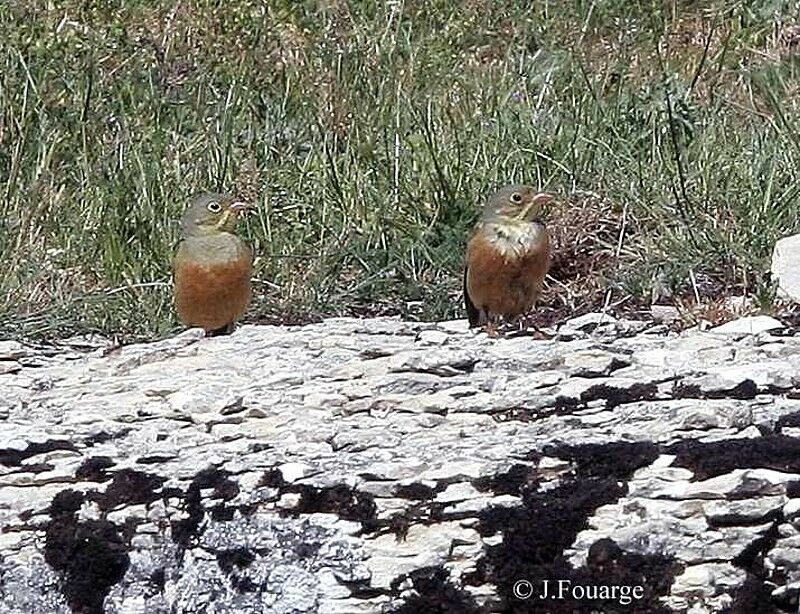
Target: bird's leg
538 333
525 322
222 330
516 326
490 328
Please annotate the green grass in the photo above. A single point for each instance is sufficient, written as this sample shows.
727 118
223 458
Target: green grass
368 134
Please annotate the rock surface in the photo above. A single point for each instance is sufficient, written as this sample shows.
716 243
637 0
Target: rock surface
786 266
380 465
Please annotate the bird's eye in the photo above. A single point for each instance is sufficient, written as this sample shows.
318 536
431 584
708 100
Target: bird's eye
516 197
214 207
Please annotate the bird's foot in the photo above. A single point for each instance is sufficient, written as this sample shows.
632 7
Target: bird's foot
522 326
491 330
540 335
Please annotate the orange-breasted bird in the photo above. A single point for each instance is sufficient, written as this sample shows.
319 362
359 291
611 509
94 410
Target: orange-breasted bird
507 257
212 265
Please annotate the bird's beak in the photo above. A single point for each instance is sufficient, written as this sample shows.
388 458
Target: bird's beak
537 201
236 208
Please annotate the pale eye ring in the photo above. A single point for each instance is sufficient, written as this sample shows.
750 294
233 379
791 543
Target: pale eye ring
516 198
214 207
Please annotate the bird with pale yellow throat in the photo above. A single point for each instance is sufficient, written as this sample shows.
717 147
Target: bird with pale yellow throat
508 256
212 265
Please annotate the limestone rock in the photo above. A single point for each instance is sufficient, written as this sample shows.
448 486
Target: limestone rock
786 266
366 465
750 325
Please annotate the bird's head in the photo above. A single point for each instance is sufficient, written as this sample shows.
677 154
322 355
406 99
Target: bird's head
516 204
212 213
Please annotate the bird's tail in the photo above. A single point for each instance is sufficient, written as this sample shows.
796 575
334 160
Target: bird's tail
473 313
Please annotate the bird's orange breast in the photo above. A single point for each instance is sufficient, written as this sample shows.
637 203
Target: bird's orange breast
505 283
212 295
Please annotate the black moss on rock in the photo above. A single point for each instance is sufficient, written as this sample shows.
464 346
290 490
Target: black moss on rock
789 420
711 459
609 460
415 492
435 594
536 534
10 457
272 478
89 556
238 558
744 390
752 597
93 469
510 482
345 502
186 531
614 396
130 487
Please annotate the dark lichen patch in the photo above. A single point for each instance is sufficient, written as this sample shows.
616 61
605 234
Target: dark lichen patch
612 460
374 353
753 596
155 459
434 594
272 478
535 553
259 446
222 512
711 459
415 492
739 520
789 420
105 436
744 390
751 559
793 489
306 550
653 573
186 530
90 556
243 584
65 503
615 365
424 512
218 480
536 533
158 579
9 457
238 558
93 469
564 404
35 468
546 523
787 601
345 502
130 487
510 482
614 395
